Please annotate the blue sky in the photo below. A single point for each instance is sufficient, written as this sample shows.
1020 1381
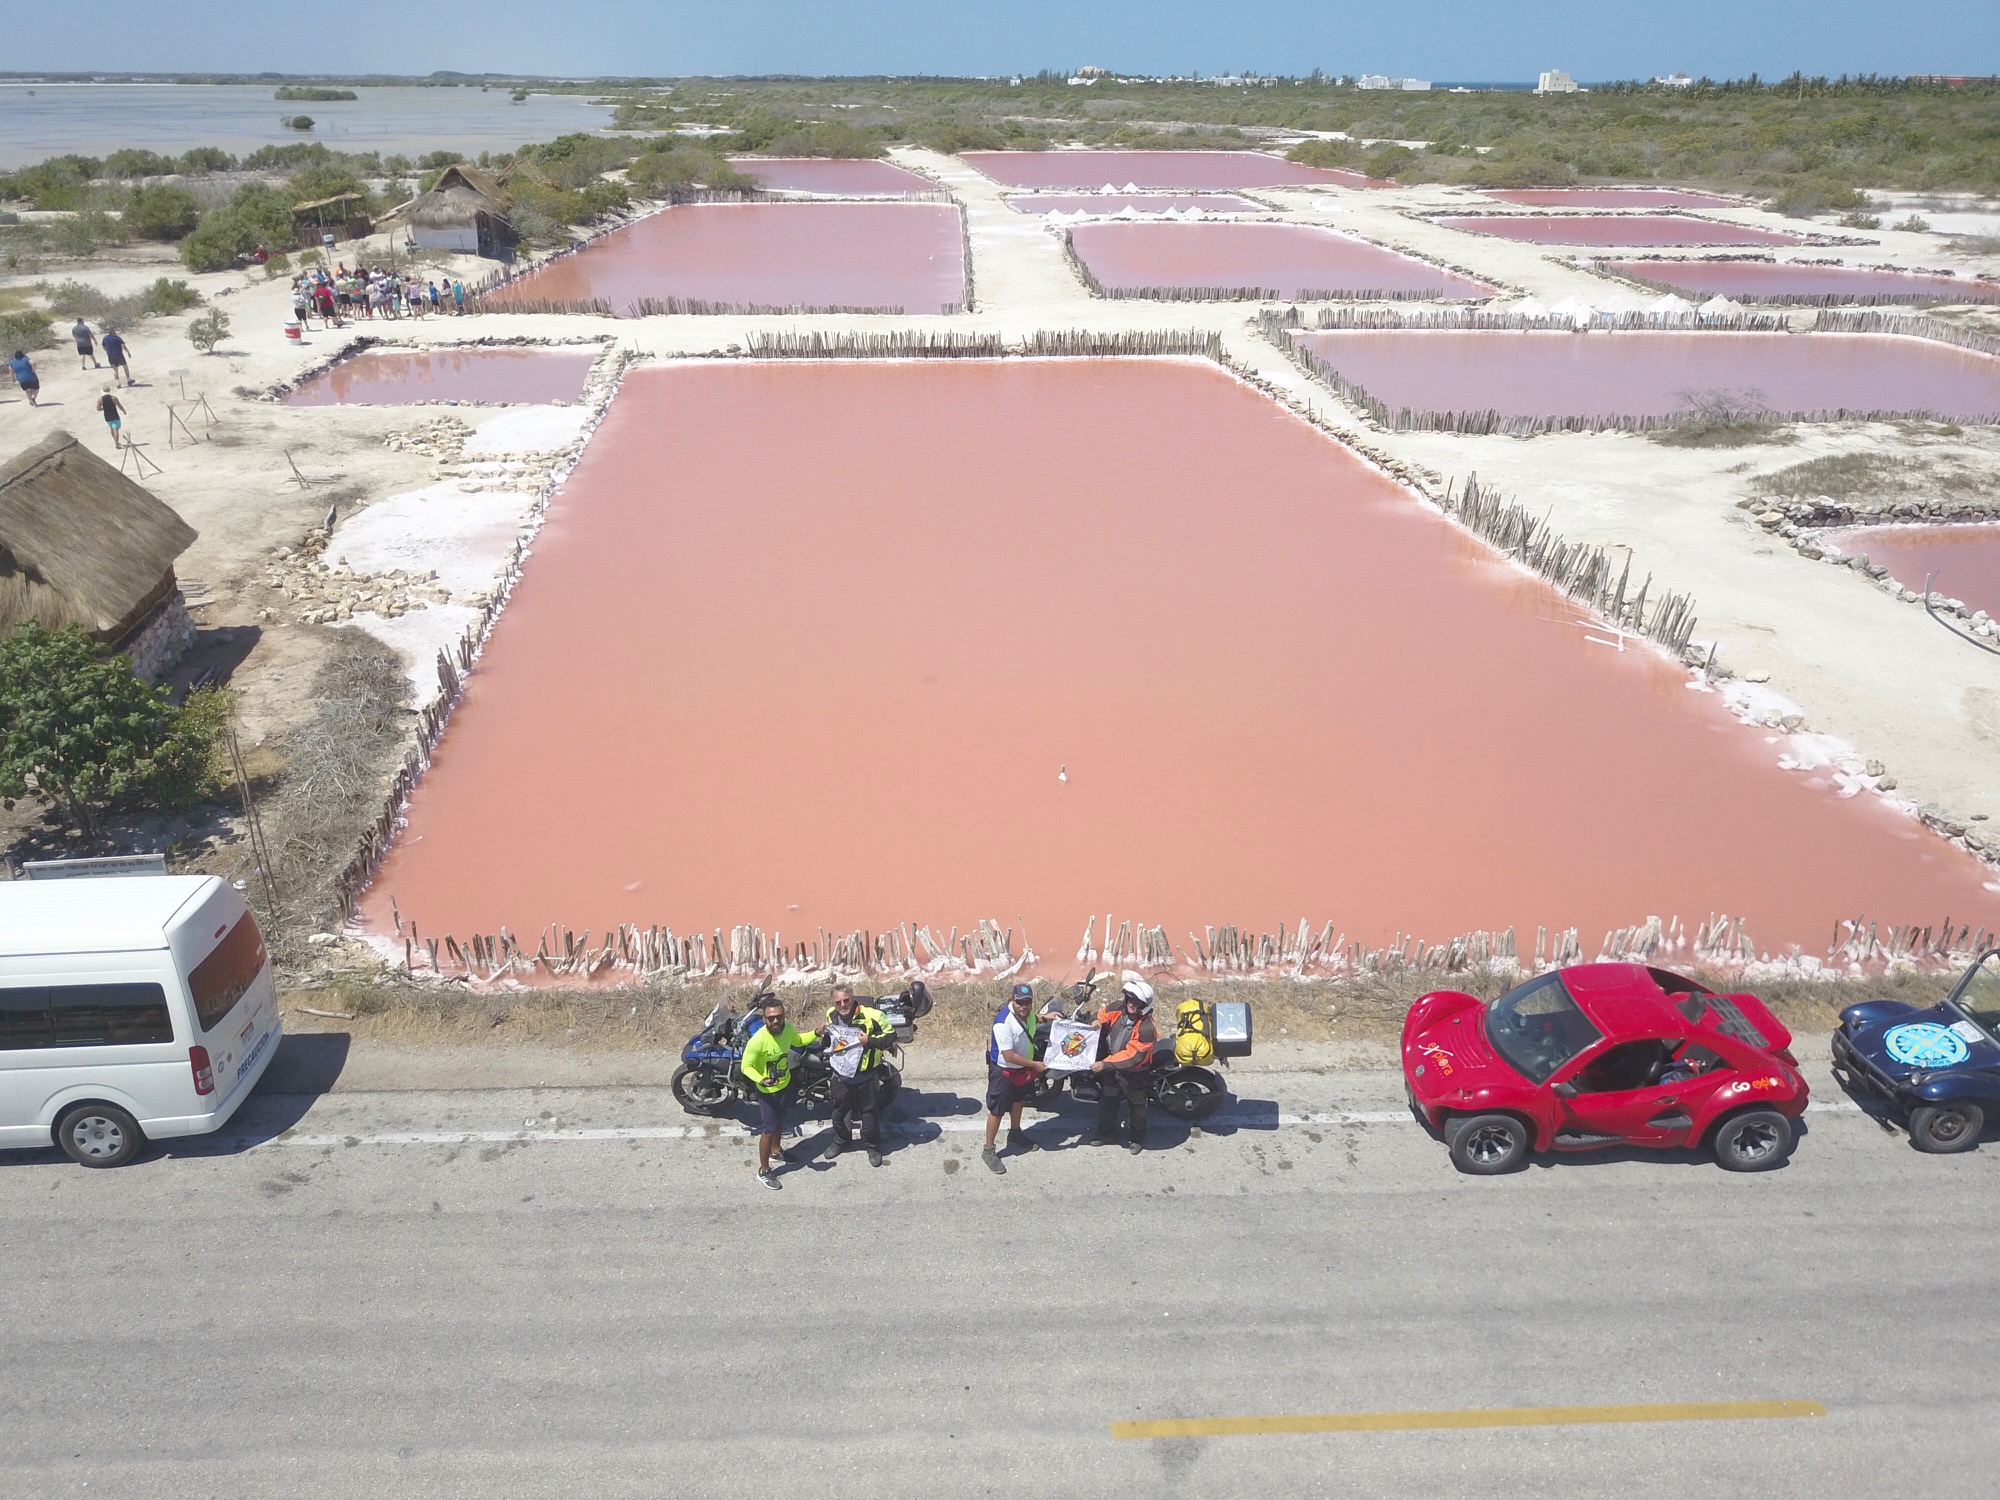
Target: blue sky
1438 39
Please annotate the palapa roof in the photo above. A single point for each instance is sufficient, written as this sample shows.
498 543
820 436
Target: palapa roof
337 198
460 194
80 543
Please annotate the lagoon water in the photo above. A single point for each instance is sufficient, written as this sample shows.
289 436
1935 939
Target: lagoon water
94 119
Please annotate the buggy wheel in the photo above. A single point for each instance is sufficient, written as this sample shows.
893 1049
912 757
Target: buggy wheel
1487 1145
701 1091
1941 1128
1754 1141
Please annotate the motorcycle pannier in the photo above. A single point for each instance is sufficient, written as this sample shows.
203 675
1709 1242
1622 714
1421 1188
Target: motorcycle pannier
1232 1028
1194 1034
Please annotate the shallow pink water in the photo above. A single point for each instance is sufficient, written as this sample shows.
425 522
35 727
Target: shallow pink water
1641 374
1153 170
1145 203
905 256
1615 229
1611 197
1966 559
828 681
827 174
1290 259
384 377
1753 279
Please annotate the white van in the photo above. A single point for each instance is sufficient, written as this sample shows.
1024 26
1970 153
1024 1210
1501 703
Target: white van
131 1009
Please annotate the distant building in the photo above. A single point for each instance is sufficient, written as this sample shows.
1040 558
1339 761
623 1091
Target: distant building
1556 81
1383 81
465 210
1674 81
1093 72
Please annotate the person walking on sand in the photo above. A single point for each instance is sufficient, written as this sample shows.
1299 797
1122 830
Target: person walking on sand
458 297
114 415
1011 1070
25 376
115 355
86 346
767 1063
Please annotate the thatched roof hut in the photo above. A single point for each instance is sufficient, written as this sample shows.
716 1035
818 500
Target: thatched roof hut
82 544
344 216
465 209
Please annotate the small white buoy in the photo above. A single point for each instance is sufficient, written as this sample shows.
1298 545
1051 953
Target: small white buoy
1062 772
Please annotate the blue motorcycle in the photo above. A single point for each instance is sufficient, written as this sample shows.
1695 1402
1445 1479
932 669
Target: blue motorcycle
710 1078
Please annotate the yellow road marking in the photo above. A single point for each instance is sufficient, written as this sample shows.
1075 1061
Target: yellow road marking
1505 1416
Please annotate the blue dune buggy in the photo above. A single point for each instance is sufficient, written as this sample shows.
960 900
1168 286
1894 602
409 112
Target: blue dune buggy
1938 1068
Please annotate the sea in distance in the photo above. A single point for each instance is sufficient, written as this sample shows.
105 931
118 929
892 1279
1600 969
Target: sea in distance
94 119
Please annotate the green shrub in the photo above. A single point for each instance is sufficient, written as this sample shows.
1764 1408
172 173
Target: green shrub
80 730
296 122
1858 220
130 164
1327 153
83 234
193 764
216 242
1388 160
164 212
1816 195
202 160
208 330
26 329
165 298
1914 224
278 265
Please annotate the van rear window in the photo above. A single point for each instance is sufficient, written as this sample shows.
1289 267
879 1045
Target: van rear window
221 979
83 1015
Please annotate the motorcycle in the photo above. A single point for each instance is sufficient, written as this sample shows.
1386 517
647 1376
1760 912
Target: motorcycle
1186 1091
710 1079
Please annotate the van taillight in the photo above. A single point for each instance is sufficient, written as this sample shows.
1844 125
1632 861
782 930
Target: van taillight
204 1075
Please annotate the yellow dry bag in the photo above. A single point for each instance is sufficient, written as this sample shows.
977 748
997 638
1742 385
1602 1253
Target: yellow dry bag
1194 1034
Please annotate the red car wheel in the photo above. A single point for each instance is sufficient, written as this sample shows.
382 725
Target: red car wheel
1486 1145
1754 1141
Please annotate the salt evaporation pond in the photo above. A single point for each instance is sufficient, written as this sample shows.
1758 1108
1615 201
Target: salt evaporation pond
1041 639
1142 203
1612 197
395 377
1966 559
831 174
1291 260
899 257
1604 374
1153 170
1615 229
1754 280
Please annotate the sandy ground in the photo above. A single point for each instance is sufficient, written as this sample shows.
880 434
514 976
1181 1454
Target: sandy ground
1862 667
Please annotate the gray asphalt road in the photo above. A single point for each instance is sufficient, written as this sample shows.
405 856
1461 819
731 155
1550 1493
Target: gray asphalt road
581 1297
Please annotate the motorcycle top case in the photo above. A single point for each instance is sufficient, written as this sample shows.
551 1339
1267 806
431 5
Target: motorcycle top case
1232 1028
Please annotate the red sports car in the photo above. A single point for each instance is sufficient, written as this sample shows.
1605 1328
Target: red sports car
1602 1055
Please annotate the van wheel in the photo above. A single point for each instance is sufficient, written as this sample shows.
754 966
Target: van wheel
1946 1127
99 1135
1486 1145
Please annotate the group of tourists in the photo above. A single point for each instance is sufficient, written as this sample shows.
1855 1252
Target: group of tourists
1014 1067
340 294
117 358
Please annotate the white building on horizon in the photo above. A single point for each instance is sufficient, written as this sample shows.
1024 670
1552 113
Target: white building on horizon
1383 81
1556 81
1674 81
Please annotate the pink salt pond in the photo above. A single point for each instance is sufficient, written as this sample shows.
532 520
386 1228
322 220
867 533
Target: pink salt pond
1041 639
1769 281
1284 260
1153 170
1966 559
840 175
1612 197
1602 374
895 257
1139 203
1615 229
395 377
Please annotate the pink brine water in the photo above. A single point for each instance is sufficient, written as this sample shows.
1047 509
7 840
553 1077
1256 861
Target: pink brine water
1751 280
1291 260
1152 170
1645 374
905 257
1615 229
1041 640
1143 203
817 174
1612 197
1965 559
385 377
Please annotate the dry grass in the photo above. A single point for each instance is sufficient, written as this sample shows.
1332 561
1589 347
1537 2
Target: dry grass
663 1016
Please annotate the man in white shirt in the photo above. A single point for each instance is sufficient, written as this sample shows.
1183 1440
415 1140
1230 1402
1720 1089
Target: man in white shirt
1011 1071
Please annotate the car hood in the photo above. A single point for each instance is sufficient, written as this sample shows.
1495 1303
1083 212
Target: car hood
1450 1053
1923 1041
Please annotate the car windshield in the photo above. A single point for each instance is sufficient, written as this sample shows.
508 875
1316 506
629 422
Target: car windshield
1687 997
1978 994
1537 1027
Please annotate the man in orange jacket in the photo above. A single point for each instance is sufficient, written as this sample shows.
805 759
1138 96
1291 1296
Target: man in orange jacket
1125 1063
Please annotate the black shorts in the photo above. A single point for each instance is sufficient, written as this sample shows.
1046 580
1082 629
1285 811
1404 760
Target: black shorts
771 1110
1002 1093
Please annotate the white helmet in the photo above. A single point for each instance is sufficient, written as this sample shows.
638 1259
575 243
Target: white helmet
1137 989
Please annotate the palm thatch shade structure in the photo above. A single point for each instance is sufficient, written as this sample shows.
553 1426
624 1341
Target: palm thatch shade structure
465 210
344 216
81 544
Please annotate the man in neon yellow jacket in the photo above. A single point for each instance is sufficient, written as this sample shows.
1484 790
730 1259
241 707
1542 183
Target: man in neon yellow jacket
767 1063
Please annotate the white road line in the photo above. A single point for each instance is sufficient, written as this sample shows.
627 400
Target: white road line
733 1131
